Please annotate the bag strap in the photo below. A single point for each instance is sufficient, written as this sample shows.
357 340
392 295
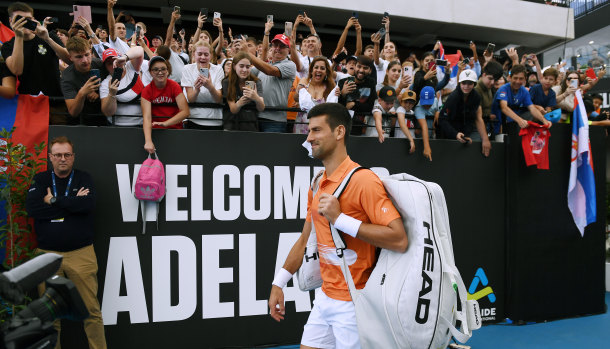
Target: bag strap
340 244
143 209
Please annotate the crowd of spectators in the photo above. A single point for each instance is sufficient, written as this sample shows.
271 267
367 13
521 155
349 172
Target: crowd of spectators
121 74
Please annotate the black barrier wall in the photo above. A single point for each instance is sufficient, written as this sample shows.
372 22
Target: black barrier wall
553 272
235 204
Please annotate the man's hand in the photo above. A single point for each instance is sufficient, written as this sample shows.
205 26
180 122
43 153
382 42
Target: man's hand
47 198
83 192
348 87
268 27
473 47
113 87
381 137
427 152
522 123
463 139
357 26
93 96
18 27
111 3
411 146
601 73
90 86
547 123
175 16
512 54
276 303
486 147
42 32
351 22
329 207
308 21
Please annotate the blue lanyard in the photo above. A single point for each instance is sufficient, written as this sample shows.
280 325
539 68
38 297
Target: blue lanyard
55 187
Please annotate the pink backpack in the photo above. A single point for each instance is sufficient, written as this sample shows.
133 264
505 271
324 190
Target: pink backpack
150 186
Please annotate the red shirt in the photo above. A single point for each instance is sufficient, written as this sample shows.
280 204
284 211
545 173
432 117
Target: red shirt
166 95
535 143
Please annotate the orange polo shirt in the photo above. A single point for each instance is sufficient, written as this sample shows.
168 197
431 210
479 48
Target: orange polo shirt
365 199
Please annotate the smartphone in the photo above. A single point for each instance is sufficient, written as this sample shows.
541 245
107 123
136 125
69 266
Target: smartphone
351 79
251 85
216 15
269 18
302 13
138 30
177 8
117 74
381 32
490 47
574 83
53 20
203 11
100 27
94 72
466 60
591 73
441 62
205 72
385 14
288 28
182 32
29 24
408 70
430 65
559 60
355 14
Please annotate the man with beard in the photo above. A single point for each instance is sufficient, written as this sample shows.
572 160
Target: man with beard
358 93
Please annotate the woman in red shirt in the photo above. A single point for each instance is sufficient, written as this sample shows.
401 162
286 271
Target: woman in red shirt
155 97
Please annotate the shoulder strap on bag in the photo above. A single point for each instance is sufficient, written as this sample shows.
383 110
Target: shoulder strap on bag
340 244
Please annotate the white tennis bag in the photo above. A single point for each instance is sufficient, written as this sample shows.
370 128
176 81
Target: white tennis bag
411 299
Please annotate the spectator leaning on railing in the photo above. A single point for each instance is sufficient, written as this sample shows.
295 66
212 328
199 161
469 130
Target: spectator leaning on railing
202 81
120 96
162 98
80 84
33 56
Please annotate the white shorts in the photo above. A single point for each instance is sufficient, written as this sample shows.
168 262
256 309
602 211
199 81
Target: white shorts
331 323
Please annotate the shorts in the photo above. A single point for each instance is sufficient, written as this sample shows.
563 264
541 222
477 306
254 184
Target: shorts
331 323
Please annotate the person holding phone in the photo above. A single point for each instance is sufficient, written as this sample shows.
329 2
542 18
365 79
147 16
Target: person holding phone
565 92
155 99
242 88
33 54
123 86
318 87
117 32
80 84
202 81
426 76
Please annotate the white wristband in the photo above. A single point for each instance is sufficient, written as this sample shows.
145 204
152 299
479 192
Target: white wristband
348 225
281 278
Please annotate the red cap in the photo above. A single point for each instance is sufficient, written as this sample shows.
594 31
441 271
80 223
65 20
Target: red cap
282 38
109 52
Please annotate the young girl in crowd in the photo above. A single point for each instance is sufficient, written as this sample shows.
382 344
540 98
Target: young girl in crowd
226 66
238 95
161 91
426 76
395 78
202 81
314 89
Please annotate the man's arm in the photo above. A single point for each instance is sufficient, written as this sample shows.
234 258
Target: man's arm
265 67
15 61
483 132
170 28
294 55
343 37
538 116
35 205
83 202
268 27
75 105
511 114
291 265
358 38
110 19
59 50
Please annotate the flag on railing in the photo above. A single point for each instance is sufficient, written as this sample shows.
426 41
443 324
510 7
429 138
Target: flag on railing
581 188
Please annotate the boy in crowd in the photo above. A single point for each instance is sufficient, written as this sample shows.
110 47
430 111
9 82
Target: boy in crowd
513 102
492 71
117 33
428 106
541 94
379 125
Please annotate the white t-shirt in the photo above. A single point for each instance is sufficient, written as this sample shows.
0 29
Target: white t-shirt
372 130
127 96
213 115
177 66
119 45
397 130
381 68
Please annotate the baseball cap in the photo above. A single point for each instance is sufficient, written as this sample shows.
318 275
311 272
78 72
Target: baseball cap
426 96
408 95
387 93
158 37
351 58
155 59
468 75
282 38
109 52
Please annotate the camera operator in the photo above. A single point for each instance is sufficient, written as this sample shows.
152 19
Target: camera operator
61 201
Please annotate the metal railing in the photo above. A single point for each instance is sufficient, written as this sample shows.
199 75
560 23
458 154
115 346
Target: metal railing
584 7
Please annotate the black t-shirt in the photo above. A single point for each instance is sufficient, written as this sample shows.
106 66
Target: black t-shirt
4 72
459 115
72 81
364 96
40 66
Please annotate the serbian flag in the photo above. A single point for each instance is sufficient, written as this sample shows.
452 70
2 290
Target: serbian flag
5 33
581 188
29 115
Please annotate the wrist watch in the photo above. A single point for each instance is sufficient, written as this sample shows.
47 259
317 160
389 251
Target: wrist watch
53 200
